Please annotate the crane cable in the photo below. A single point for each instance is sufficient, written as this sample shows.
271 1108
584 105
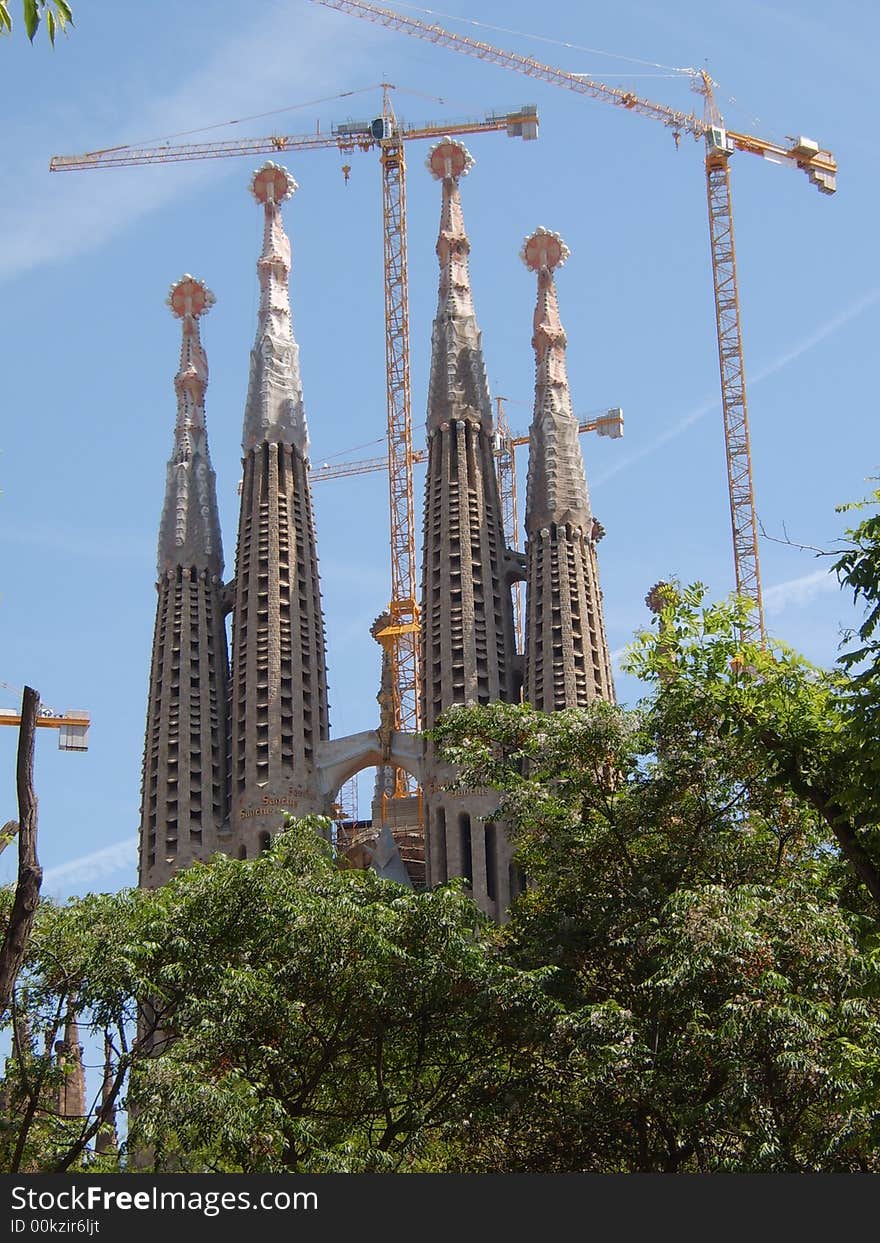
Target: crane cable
574 47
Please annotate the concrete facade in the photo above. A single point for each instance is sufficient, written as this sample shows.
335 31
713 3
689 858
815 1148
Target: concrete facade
229 751
468 646
567 661
184 803
278 680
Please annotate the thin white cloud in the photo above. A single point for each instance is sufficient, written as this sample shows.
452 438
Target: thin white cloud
246 74
867 299
797 592
78 873
844 316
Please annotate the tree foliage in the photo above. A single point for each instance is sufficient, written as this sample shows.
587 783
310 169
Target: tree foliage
57 13
703 877
690 981
328 1021
294 1015
721 1000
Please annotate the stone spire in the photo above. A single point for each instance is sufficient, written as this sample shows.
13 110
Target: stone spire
274 411
458 386
383 788
189 532
69 1056
468 646
399 817
279 681
567 662
107 1141
184 799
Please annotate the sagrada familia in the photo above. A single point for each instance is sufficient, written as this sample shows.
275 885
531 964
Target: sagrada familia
233 743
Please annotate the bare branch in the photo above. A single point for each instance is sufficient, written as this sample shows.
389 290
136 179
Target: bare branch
820 552
30 874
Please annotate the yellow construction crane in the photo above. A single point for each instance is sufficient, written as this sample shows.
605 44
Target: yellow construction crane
820 167
73 735
389 135
73 727
609 423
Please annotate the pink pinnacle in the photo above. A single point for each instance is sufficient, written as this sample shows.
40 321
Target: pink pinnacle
272 184
448 158
544 249
189 296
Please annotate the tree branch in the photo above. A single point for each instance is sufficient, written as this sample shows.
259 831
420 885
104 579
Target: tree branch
820 552
30 874
834 815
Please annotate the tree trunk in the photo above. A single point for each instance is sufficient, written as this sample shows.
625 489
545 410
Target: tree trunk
30 874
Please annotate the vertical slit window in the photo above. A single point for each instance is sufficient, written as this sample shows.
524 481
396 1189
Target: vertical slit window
464 831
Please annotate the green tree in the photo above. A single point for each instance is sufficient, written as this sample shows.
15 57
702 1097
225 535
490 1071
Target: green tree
704 877
812 732
57 13
76 962
721 999
302 1017
690 981
329 1020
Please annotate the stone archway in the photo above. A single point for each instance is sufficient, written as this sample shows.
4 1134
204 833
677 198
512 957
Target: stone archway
340 758
386 847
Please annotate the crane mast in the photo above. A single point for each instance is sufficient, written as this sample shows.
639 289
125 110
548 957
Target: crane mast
734 405
401 636
803 153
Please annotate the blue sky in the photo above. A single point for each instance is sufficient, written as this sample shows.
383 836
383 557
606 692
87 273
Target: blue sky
89 349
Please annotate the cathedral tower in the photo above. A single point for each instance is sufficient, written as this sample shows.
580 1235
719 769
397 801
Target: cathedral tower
468 647
183 796
278 695
567 662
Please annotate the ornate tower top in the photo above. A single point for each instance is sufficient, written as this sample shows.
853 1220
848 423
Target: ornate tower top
189 533
274 409
544 249
449 159
458 388
189 296
557 487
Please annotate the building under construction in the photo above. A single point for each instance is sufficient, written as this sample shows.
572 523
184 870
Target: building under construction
235 740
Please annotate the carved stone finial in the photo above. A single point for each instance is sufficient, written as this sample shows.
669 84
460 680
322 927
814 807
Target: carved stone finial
556 487
457 388
189 532
448 158
659 596
274 409
543 249
272 183
189 296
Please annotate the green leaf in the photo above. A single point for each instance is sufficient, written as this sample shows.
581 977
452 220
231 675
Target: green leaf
31 18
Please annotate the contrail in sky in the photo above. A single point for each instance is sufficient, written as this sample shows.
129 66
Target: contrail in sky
837 321
78 873
799 591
